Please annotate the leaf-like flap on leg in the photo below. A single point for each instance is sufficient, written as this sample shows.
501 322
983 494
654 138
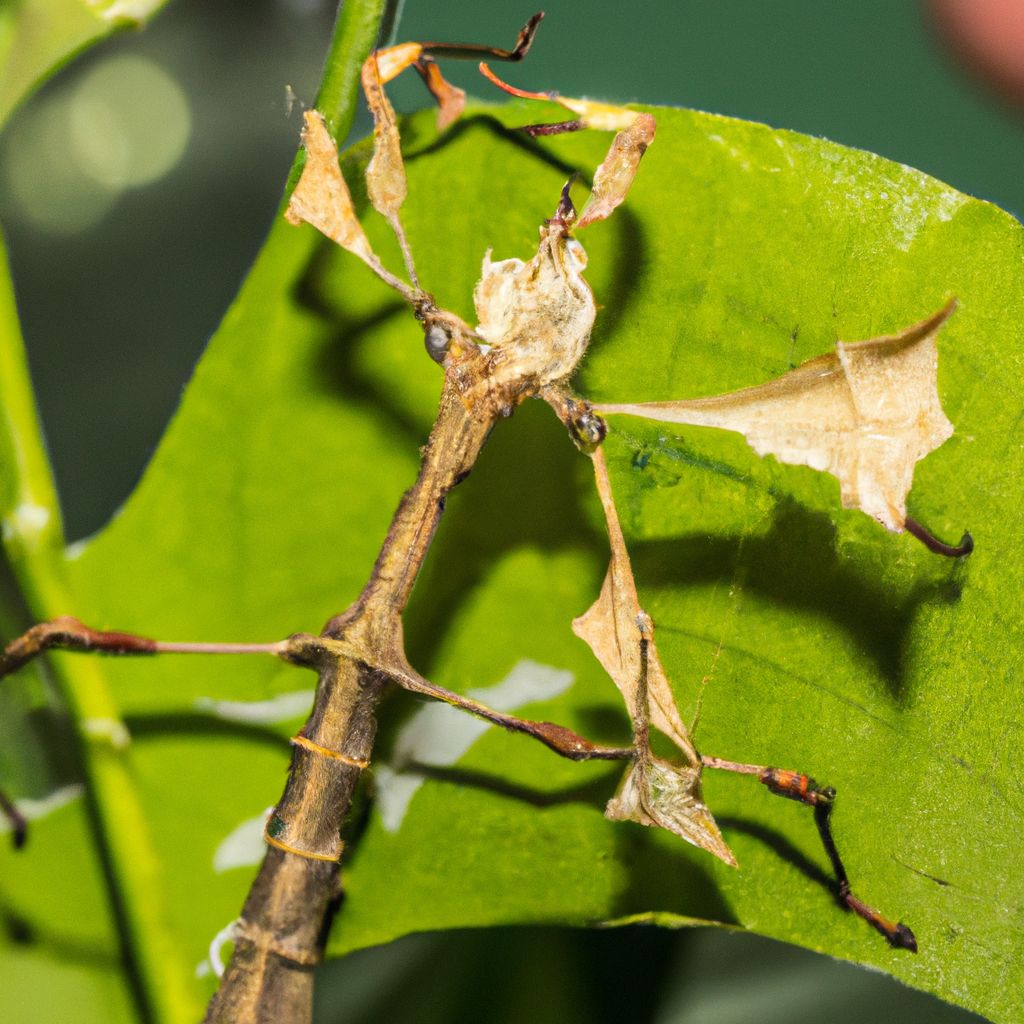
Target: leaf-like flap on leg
621 635
451 100
658 793
866 413
321 197
611 628
618 169
385 173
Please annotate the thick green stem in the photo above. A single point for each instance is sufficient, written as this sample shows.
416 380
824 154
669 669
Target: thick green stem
33 541
30 513
356 32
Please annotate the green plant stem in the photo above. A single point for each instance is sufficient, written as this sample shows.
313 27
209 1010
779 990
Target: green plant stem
164 982
31 523
356 32
34 543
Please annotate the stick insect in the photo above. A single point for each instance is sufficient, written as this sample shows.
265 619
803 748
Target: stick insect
534 324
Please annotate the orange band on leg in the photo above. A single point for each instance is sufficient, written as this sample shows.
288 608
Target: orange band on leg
271 841
334 755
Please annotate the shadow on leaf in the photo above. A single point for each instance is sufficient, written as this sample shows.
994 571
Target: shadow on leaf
18 930
796 565
521 494
594 792
193 723
782 847
658 864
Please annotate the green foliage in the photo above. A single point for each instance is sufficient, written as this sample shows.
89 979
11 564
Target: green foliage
809 637
39 36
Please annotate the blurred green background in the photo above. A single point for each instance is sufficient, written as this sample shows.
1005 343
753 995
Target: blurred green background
135 189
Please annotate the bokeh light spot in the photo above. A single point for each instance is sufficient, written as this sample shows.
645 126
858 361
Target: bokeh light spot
129 123
46 188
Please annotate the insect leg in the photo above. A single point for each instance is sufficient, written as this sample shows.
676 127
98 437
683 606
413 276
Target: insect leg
802 788
67 633
585 427
469 51
385 174
423 57
561 740
634 133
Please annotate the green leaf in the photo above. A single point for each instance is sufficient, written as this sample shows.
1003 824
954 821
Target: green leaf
37 37
808 636
54 963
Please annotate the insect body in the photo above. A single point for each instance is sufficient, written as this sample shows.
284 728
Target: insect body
537 317
534 321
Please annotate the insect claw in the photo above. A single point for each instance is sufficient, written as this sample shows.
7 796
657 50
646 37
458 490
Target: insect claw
465 51
896 933
933 544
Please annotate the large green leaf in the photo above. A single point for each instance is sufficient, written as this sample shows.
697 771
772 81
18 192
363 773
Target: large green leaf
38 36
812 638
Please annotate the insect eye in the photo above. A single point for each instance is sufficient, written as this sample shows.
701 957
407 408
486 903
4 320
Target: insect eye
437 339
588 430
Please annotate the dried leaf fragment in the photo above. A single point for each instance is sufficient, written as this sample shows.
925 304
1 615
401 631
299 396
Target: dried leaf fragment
451 100
866 413
385 174
657 793
620 633
321 197
611 627
618 169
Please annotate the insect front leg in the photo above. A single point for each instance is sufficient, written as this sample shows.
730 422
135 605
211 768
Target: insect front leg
634 133
69 634
393 60
385 173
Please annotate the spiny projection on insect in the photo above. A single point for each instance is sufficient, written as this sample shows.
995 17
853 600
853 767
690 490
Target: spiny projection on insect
866 414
